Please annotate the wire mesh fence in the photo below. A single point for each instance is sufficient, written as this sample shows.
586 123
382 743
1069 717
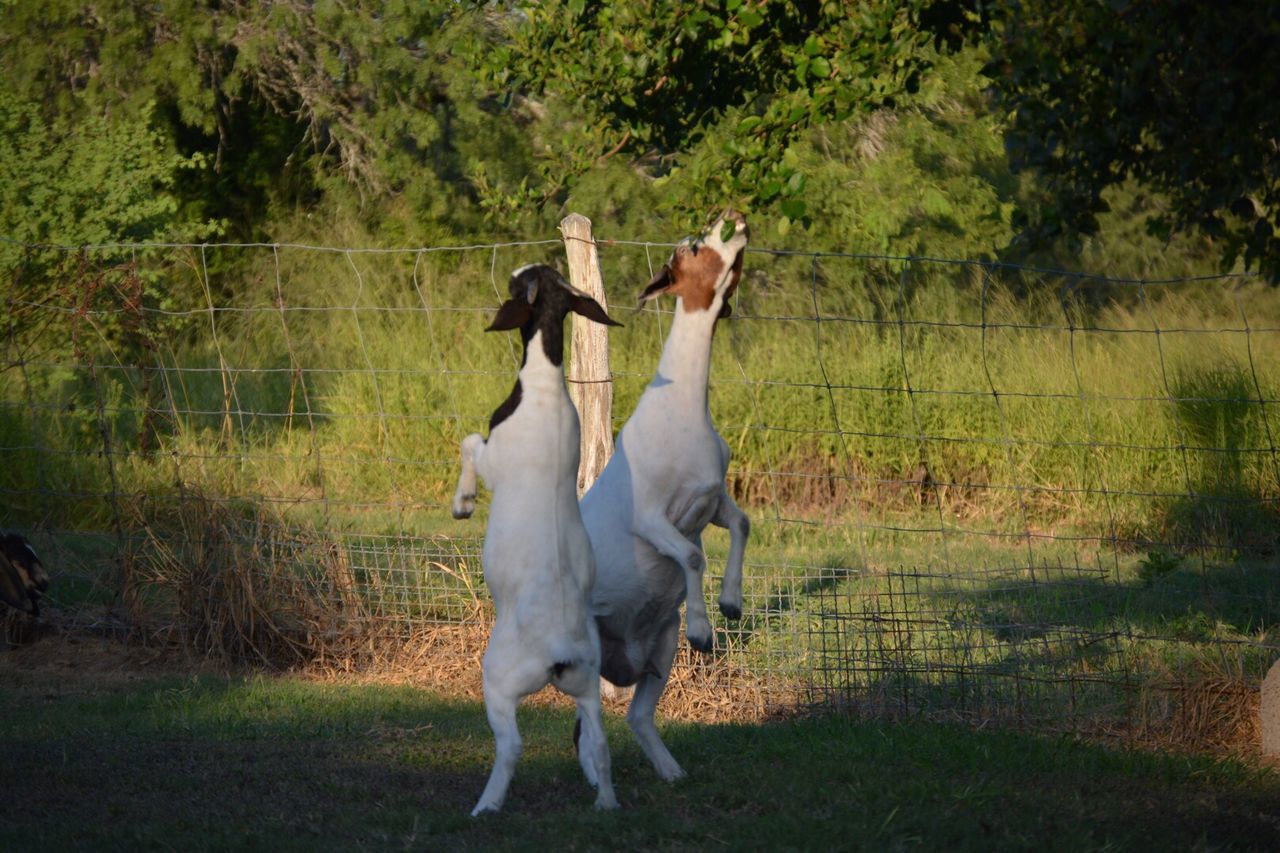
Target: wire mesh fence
977 491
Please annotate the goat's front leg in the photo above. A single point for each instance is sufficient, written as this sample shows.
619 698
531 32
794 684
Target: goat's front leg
464 498
733 519
671 543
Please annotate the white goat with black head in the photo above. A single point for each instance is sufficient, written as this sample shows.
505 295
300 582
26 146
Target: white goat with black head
22 576
663 485
538 563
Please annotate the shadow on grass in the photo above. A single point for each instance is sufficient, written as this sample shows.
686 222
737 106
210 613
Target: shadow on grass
213 763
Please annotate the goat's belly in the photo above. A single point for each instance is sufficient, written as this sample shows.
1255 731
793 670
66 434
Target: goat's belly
627 644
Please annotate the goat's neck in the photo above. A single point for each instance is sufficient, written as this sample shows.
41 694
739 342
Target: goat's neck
686 356
537 372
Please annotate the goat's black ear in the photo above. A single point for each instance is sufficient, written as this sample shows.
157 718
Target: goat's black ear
12 590
661 284
512 314
589 308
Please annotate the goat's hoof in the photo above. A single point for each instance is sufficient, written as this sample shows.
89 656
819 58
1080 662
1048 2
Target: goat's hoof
463 507
606 804
673 773
732 612
701 644
483 808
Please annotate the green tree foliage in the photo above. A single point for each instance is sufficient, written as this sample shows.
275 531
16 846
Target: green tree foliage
1177 97
718 88
925 178
94 181
286 100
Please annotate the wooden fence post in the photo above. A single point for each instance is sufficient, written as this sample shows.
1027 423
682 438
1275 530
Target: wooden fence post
590 385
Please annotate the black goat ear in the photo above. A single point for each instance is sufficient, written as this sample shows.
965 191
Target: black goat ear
589 308
12 590
661 284
512 314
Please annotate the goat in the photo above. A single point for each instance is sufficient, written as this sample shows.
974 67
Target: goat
22 575
538 563
663 485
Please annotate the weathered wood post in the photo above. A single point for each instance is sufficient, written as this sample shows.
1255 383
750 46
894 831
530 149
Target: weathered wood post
590 385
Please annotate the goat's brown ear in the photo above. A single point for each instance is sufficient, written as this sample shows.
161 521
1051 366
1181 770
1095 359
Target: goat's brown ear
512 314
589 308
12 591
661 284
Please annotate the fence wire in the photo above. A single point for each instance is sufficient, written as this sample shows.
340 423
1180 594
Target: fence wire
978 490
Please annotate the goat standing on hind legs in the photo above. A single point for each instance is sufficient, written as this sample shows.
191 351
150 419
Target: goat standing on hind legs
538 563
663 485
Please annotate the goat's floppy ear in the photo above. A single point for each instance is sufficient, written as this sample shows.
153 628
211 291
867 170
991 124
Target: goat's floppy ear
512 314
661 284
12 590
589 308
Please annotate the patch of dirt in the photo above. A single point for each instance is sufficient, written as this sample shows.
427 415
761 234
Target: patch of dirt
61 658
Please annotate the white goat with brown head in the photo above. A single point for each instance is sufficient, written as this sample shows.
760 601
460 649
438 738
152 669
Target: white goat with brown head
663 485
538 563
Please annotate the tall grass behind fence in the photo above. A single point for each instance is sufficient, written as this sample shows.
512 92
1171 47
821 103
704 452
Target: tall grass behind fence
977 490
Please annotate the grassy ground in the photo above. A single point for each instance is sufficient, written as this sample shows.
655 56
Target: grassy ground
127 759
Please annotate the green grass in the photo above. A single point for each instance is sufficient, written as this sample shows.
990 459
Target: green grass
1032 406
260 763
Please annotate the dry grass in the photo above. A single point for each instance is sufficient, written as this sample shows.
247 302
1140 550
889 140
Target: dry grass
1218 713
446 658
231 587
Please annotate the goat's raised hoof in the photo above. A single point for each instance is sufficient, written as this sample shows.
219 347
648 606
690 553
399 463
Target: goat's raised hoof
732 612
701 644
463 506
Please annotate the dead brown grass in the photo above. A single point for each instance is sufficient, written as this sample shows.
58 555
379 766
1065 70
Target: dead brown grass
446 658
1217 712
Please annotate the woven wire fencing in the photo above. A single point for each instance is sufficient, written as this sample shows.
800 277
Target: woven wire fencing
978 491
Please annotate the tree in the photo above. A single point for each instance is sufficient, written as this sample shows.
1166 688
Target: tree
281 98
1178 96
716 89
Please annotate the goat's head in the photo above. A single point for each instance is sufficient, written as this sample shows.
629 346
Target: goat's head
22 575
704 271
540 299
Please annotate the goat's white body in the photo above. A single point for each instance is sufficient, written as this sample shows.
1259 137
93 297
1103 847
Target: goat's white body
645 515
539 568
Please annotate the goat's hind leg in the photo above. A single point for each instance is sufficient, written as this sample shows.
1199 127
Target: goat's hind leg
509 676
501 710
593 746
640 715
733 519
464 497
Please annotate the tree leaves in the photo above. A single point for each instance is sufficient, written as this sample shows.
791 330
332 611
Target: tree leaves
720 88
1178 96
